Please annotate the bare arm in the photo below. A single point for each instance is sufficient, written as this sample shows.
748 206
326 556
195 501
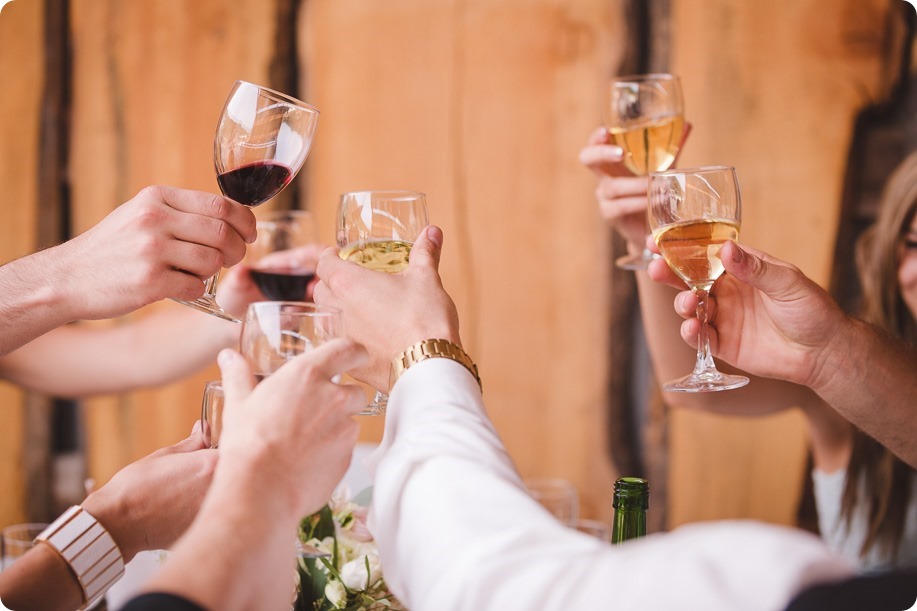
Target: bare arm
772 320
158 245
146 505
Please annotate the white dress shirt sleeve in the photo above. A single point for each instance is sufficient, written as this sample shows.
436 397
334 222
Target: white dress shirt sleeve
457 530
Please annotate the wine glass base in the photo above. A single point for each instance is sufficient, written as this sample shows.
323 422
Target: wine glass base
376 407
208 304
706 382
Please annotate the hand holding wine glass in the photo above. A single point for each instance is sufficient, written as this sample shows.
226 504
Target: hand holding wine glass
262 140
692 213
376 230
644 116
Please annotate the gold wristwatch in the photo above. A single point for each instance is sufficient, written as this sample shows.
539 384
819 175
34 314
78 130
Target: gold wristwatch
429 349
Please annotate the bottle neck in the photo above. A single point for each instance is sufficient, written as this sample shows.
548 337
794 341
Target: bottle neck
631 500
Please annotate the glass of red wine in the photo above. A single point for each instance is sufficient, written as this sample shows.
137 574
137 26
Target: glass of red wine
283 258
262 140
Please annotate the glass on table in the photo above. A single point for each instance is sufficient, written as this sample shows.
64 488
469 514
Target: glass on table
376 230
557 495
644 115
594 528
692 213
262 140
16 540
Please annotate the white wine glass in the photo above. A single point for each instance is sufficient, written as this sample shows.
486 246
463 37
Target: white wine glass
278 261
275 332
376 230
692 213
262 140
644 115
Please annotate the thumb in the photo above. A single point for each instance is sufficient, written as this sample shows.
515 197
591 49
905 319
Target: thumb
771 276
426 250
238 380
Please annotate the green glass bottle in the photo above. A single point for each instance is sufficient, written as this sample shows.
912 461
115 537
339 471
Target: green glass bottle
631 500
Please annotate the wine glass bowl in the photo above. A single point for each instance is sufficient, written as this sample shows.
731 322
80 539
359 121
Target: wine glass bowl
262 140
376 230
278 262
275 332
692 213
644 115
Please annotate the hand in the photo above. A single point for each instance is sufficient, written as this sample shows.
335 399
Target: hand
162 243
149 503
621 195
292 435
387 313
766 317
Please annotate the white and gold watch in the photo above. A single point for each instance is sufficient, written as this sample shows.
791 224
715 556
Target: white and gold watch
429 349
88 549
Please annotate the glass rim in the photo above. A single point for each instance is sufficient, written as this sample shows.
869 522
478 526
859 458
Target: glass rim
307 307
707 169
388 193
277 96
651 76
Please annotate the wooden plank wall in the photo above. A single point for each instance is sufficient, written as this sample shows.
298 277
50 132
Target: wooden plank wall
483 104
21 57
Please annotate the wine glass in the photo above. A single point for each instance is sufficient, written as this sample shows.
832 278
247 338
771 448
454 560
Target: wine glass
280 266
376 229
262 140
692 213
212 413
644 114
275 332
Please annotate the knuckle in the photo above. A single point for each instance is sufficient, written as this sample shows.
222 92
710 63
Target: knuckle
219 207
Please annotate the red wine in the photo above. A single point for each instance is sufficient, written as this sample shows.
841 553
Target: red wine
255 183
282 284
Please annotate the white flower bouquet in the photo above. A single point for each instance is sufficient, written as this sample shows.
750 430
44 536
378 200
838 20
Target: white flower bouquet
350 578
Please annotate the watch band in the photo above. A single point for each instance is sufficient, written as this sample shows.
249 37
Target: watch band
88 549
429 349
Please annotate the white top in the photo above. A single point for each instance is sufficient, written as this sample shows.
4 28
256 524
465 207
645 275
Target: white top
457 530
829 489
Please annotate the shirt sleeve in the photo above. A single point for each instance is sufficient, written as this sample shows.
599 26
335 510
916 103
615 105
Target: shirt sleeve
457 530
158 601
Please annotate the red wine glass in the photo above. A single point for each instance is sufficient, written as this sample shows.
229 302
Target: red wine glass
283 258
262 140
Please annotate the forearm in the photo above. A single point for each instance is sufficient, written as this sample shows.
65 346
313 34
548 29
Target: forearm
870 378
445 464
32 301
75 361
245 559
40 581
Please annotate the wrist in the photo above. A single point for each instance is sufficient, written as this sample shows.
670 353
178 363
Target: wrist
115 514
428 349
833 359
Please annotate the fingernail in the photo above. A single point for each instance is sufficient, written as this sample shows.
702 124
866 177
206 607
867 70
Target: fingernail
435 235
225 357
738 255
196 428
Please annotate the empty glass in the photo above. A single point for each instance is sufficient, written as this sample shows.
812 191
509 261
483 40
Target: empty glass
557 495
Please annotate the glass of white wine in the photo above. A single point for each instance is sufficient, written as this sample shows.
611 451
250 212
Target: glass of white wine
376 230
644 114
692 213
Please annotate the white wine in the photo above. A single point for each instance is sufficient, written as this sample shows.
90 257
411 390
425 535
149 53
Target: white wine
692 249
650 146
380 255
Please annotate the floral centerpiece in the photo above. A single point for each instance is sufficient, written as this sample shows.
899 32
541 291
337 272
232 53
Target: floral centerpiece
350 577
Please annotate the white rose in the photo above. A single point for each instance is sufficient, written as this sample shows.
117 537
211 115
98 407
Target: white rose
336 594
354 576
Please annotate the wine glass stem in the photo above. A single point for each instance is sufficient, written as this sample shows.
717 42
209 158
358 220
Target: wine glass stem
704 361
210 285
